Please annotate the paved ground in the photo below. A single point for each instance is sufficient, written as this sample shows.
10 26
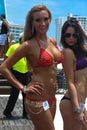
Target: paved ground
17 123
58 119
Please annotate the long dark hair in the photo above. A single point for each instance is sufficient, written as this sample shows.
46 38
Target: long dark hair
78 49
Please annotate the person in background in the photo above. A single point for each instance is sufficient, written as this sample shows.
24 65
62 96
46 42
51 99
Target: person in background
43 56
72 105
4 34
21 72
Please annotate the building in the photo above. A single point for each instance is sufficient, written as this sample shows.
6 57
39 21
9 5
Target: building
15 30
60 21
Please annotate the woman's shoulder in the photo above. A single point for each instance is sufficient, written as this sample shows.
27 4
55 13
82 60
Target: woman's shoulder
68 54
52 40
30 46
67 51
28 43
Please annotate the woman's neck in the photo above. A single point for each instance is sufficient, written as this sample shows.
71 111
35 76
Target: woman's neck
43 38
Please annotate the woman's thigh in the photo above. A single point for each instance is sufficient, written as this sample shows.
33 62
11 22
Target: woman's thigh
53 109
42 119
69 121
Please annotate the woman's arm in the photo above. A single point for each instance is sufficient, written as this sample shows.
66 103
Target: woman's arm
69 74
68 66
5 67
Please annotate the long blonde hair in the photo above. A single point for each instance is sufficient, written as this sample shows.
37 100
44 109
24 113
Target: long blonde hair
28 30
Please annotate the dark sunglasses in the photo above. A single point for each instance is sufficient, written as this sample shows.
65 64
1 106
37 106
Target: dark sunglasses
68 35
38 20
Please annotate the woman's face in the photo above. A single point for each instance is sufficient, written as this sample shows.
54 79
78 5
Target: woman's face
41 22
71 36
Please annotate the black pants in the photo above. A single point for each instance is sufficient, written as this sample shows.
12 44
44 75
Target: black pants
24 79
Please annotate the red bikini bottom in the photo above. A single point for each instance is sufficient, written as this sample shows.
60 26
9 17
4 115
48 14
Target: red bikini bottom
38 103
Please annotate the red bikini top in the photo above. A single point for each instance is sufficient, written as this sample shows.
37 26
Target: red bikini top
45 59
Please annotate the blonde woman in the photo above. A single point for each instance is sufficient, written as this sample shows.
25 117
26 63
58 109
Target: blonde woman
43 56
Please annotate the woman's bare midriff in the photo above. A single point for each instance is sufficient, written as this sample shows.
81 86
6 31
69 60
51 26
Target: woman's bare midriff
49 84
80 84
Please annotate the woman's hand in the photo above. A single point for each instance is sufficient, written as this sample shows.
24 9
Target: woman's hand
80 117
85 125
35 88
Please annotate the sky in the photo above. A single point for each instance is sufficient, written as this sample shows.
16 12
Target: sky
17 10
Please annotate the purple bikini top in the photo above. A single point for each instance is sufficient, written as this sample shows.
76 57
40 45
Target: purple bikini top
81 63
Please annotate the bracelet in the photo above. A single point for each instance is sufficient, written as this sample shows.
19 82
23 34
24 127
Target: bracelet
81 109
78 111
24 90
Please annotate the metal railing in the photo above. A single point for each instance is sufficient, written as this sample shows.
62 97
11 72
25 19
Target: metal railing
61 82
